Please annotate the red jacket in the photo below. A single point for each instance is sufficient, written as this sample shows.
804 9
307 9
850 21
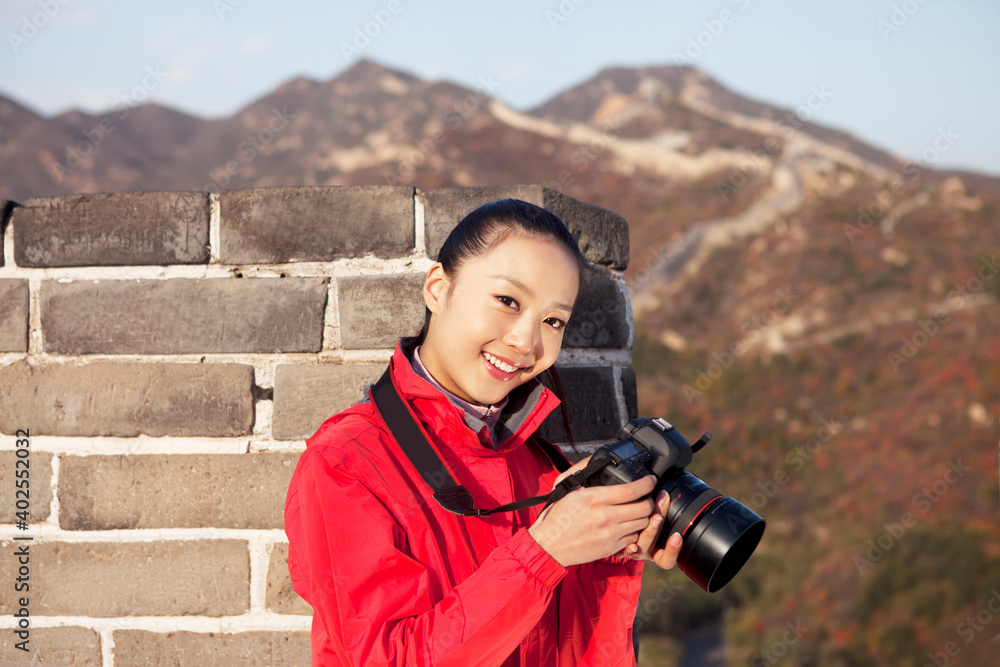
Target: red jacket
394 579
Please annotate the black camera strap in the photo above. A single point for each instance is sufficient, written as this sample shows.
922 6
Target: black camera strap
452 496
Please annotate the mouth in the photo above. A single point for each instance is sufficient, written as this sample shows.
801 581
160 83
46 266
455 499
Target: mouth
500 368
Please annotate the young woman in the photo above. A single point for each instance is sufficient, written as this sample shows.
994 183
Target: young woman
393 578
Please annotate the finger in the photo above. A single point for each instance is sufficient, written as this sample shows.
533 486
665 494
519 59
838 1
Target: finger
642 508
657 519
634 528
627 552
628 547
619 494
647 538
634 515
666 557
642 543
663 502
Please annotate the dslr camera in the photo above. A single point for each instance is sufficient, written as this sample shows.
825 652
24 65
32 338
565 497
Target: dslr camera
720 533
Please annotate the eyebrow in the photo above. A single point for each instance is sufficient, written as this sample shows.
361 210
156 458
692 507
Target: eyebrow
524 288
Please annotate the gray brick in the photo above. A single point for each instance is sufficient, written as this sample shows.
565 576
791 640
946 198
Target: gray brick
601 234
281 597
629 392
112 229
139 648
305 396
69 645
592 406
14 299
110 579
180 316
375 311
174 491
600 318
315 223
39 467
126 399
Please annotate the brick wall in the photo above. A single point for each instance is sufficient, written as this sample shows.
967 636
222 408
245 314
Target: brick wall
169 352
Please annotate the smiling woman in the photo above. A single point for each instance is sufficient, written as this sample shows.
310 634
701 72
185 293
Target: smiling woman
395 578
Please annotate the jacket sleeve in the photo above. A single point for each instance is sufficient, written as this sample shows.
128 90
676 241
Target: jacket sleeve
348 558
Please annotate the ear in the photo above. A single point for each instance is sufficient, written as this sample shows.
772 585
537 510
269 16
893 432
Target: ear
435 287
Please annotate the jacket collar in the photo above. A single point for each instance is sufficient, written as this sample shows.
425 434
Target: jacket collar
527 407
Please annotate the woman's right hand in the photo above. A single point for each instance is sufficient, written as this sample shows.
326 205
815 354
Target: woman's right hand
593 522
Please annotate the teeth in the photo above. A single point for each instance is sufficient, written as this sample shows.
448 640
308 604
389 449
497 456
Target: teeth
499 364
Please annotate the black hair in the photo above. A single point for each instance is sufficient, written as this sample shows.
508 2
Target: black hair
484 229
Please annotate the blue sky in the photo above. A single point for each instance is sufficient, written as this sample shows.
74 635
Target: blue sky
896 71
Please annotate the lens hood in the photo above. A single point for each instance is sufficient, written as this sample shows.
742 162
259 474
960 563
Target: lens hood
719 543
720 533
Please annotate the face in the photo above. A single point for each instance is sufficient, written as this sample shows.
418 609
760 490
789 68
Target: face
506 307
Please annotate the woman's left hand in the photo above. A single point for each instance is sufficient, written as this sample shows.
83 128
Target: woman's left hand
641 548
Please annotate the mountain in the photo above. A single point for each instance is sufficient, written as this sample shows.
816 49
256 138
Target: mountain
685 97
826 309
14 118
373 124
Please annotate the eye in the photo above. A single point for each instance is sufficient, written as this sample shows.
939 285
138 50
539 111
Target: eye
556 323
506 300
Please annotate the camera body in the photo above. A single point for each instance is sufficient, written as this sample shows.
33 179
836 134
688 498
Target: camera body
720 534
645 446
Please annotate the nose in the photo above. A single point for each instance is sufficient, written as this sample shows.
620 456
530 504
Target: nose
525 337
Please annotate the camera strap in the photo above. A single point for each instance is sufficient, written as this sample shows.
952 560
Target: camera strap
455 498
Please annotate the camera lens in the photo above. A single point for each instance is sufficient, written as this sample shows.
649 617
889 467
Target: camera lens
720 533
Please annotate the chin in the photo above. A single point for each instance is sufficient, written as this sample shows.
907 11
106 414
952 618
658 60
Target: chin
486 400
491 397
